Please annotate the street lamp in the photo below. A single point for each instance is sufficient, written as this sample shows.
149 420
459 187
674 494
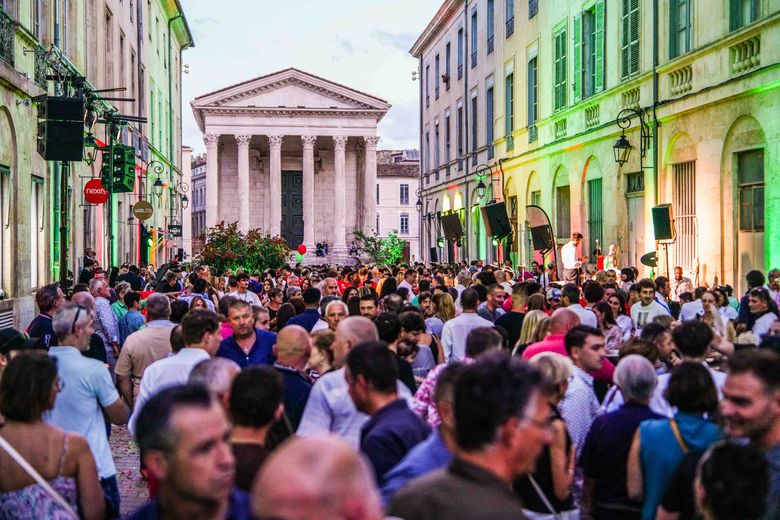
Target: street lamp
185 201
481 188
622 147
158 187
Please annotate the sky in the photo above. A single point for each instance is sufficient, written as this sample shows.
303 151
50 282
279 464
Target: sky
363 44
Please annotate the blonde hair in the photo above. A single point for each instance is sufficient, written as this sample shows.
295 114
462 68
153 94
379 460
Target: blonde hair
531 324
445 306
555 368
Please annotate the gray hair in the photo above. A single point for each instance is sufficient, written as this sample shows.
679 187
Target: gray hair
636 378
293 291
325 302
464 278
96 284
215 374
158 307
328 306
63 320
121 288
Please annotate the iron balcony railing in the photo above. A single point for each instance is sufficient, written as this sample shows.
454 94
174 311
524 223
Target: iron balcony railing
41 67
7 37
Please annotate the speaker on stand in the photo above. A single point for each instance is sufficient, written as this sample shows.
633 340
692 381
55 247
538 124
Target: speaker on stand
663 229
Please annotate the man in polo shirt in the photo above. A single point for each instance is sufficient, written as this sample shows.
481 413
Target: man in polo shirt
311 315
393 429
88 392
248 345
49 298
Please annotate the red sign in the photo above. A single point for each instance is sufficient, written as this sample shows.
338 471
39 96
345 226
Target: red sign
94 192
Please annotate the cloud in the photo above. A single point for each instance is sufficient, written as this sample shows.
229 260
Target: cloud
402 41
346 46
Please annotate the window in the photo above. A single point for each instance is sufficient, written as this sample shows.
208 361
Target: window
132 11
37 215
5 218
132 79
509 13
459 121
377 223
474 130
684 204
743 12
447 143
437 74
680 27
595 216
427 152
404 195
474 39
536 198
589 52
750 167
436 161
460 53
559 70
404 223
427 85
533 8
377 193
563 211
509 104
532 93
491 16
447 52
629 47
489 121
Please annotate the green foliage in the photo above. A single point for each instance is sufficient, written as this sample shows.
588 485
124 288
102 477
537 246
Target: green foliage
227 248
382 251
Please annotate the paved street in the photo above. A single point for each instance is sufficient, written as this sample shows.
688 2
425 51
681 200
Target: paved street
131 486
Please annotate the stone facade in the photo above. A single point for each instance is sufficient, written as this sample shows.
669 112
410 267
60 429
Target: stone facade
198 198
398 173
265 135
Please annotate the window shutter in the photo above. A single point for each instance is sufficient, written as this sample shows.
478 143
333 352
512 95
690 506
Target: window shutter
598 41
577 80
625 40
634 23
532 92
474 125
508 106
674 27
735 14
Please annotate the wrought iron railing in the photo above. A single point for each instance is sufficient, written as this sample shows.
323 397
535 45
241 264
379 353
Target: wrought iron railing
533 133
7 37
490 43
41 67
510 27
510 143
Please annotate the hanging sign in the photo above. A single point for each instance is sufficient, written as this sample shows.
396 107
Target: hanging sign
142 210
94 192
175 230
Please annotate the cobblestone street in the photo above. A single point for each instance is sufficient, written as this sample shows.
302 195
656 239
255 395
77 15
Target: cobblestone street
131 486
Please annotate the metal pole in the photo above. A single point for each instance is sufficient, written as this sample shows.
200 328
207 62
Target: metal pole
63 229
110 128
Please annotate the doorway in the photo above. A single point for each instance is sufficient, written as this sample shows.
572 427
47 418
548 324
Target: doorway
292 208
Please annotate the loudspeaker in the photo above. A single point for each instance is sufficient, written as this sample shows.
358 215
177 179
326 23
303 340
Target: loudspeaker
663 222
496 220
451 226
61 140
62 108
180 254
542 238
434 254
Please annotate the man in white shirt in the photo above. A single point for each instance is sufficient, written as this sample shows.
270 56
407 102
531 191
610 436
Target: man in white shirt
454 332
692 339
758 303
243 293
410 278
570 298
679 284
647 308
690 310
200 330
571 263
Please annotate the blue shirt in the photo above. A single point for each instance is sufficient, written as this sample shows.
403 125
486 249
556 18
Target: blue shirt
239 508
296 393
428 456
261 353
306 319
88 386
129 323
389 434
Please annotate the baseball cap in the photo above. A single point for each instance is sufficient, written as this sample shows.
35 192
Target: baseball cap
553 293
11 339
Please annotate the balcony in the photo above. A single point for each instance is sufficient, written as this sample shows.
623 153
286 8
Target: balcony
533 134
510 143
473 158
491 151
510 27
7 38
41 67
490 42
460 160
436 174
460 71
427 101
473 59
447 169
436 92
533 8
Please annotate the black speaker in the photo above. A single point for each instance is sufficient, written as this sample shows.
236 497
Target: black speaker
663 222
61 108
61 140
434 254
542 238
451 226
180 254
496 220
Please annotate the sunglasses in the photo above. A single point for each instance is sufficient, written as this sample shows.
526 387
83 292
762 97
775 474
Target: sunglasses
79 308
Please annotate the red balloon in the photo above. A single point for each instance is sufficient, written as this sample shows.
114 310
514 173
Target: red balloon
302 249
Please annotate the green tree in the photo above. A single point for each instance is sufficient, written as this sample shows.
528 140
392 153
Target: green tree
227 248
383 251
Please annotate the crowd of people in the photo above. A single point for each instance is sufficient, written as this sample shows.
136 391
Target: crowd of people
420 392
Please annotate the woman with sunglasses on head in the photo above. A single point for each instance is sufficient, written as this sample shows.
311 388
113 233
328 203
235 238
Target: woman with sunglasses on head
618 303
29 388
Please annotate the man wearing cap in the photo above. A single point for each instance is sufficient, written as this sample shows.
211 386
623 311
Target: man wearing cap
571 264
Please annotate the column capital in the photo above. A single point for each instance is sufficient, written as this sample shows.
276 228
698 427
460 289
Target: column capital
211 139
371 142
340 142
243 140
308 141
275 141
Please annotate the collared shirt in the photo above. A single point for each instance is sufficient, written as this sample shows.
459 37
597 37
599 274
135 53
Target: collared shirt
239 508
261 353
586 316
119 308
165 373
389 434
463 491
297 387
320 325
105 323
454 332
430 455
248 296
661 406
41 328
307 319
569 256
330 409
690 310
680 286
554 343
408 286
129 323
579 407
88 387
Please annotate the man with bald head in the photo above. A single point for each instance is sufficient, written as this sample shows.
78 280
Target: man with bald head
315 478
330 287
292 351
329 408
561 322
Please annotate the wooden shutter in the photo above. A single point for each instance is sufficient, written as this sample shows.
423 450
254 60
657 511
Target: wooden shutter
577 80
634 25
474 125
595 215
559 45
509 116
630 38
598 41
674 27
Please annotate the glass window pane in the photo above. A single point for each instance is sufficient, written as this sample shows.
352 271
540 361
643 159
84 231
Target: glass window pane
746 209
750 166
758 208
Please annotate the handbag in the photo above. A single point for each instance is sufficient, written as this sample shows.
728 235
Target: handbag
574 514
37 477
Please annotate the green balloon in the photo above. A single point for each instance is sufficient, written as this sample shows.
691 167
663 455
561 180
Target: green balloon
299 257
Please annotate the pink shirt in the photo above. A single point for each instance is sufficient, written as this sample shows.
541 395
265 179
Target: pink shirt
554 343
226 330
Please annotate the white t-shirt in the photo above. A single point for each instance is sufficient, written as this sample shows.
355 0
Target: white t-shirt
762 324
644 314
249 297
569 256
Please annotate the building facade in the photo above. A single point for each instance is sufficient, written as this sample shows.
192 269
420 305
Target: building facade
294 155
398 173
695 82
199 229
38 197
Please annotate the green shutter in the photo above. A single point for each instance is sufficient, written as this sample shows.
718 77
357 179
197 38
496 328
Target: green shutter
509 115
559 66
634 23
577 80
674 25
598 40
595 215
735 14
625 40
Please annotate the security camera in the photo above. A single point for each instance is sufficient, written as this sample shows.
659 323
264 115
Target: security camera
25 102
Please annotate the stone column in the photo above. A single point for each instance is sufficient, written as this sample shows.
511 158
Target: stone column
212 179
340 188
242 142
308 191
275 185
369 177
